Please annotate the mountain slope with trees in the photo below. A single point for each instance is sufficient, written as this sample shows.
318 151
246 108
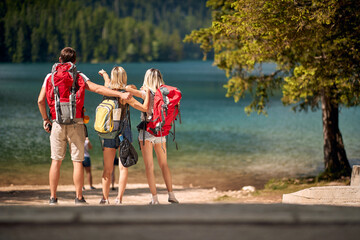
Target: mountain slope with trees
102 30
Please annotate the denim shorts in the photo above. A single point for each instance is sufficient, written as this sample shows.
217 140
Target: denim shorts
112 143
86 162
115 143
151 138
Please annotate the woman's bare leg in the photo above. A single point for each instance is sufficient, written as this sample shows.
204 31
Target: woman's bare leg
161 155
109 154
147 153
123 176
113 179
88 175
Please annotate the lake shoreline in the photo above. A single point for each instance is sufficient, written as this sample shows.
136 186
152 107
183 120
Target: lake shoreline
139 194
223 180
135 194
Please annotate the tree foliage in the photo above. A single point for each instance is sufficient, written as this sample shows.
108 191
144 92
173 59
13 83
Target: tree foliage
315 45
100 30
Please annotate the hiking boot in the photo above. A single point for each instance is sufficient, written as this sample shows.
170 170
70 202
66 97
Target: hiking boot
80 201
53 201
104 201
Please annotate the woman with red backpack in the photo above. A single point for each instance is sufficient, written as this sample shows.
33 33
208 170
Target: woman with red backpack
148 142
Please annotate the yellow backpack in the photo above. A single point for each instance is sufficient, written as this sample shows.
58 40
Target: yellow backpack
107 118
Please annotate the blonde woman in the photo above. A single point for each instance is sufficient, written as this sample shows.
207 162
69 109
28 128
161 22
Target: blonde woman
152 81
118 81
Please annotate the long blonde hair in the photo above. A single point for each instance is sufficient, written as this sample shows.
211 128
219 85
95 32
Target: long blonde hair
118 78
153 79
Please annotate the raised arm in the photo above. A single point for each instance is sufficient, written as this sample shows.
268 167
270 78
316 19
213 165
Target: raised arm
93 87
143 107
104 74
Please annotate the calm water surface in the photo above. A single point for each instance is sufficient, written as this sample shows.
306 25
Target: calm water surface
215 138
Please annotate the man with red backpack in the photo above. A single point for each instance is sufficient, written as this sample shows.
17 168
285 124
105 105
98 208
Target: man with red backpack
64 91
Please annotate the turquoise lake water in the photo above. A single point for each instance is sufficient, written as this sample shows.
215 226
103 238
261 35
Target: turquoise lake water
215 133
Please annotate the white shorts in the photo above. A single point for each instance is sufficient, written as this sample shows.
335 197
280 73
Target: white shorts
151 138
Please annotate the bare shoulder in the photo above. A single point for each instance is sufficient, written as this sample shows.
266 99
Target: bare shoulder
124 101
130 101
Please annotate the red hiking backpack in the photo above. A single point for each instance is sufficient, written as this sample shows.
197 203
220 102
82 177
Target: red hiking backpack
165 111
65 93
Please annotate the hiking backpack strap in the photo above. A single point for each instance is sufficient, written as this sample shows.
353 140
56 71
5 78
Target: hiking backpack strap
145 121
174 127
173 124
144 129
178 107
164 93
73 72
128 115
127 106
56 92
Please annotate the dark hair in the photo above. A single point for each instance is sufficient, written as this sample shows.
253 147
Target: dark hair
68 54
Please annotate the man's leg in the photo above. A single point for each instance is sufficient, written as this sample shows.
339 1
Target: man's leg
76 139
58 150
54 175
78 177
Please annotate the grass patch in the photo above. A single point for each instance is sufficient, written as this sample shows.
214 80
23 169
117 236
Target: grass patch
289 185
274 189
225 198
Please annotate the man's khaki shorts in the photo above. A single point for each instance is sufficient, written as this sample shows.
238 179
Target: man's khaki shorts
73 134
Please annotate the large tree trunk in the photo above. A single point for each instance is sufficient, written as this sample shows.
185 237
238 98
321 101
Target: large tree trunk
335 159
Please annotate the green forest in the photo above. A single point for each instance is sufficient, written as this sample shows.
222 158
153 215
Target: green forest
100 30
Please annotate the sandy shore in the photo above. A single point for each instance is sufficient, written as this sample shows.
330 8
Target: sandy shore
135 194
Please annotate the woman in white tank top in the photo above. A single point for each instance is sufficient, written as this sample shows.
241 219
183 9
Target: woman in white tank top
152 81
